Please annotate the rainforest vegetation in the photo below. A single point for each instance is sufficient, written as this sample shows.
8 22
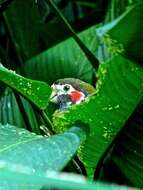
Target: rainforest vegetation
97 144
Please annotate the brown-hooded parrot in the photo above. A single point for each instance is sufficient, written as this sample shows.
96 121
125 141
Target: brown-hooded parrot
69 91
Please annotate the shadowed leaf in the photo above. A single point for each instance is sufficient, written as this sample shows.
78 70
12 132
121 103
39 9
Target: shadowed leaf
63 60
124 34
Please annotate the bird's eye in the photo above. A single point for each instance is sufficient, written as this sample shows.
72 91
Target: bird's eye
66 87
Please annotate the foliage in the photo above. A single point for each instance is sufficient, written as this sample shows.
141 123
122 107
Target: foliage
96 41
113 103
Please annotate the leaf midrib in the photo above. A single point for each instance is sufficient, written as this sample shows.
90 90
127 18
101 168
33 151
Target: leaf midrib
22 142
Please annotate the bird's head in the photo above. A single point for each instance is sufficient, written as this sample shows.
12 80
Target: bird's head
70 91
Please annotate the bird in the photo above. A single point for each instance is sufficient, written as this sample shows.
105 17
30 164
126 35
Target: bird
70 91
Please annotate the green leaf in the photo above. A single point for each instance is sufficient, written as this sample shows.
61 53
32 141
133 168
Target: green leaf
64 60
29 34
23 23
38 153
35 91
124 35
119 90
31 116
128 153
10 112
89 54
10 177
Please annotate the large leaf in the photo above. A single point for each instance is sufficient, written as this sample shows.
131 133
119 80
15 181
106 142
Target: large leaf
89 54
12 177
28 32
124 35
23 24
128 153
64 60
119 89
35 91
38 153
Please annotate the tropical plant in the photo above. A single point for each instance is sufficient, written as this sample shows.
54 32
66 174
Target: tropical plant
91 145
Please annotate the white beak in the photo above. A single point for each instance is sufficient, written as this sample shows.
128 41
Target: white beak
53 97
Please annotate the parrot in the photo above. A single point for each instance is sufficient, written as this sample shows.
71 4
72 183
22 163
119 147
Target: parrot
69 91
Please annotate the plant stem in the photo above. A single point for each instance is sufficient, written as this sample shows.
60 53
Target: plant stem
47 121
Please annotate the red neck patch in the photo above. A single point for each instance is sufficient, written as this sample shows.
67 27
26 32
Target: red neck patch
76 96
